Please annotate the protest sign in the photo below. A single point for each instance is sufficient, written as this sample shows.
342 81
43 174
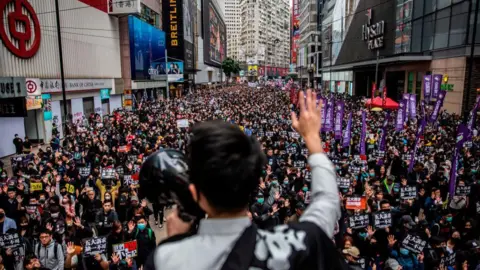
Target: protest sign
307 175
132 158
305 151
408 192
343 182
260 133
123 149
299 164
36 187
382 219
358 221
294 135
125 250
95 245
448 259
128 180
378 154
414 243
9 240
119 170
182 123
356 203
463 190
84 171
308 196
291 150
269 134
108 173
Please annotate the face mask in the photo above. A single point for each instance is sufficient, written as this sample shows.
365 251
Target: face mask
404 251
449 250
260 200
363 235
474 171
449 219
2 215
63 193
54 215
305 189
372 174
274 183
41 200
141 226
396 190
107 198
285 182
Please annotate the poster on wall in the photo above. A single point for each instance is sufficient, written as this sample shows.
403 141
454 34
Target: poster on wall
188 16
147 45
295 30
47 107
34 102
173 69
215 42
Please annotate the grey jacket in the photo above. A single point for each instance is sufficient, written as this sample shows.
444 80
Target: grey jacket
209 248
46 255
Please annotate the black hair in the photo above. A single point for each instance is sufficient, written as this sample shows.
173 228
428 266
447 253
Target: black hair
28 258
225 164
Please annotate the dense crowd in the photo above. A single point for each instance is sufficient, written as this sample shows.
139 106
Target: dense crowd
75 204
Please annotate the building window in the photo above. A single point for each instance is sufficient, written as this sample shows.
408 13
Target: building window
427 42
430 6
442 26
417 8
458 27
417 36
443 3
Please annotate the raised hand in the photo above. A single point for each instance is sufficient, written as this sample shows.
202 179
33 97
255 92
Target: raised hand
115 258
370 231
131 226
309 122
70 248
391 240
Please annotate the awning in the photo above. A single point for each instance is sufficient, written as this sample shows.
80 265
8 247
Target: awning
403 58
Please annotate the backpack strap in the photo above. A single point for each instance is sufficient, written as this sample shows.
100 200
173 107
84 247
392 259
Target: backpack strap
55 249
238 259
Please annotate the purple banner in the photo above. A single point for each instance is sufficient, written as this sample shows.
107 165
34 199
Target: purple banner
413 106
422 109
347 135
324 112
339 119
383 140
400 116
462 137
438 106
329 115
427 87
406 98
472 119
420 129
332 115
364 133
437 81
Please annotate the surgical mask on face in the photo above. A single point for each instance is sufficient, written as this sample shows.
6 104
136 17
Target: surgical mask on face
449 219
404 251
372 174
305 189
285 182
363 235
275 182
449 250
141 226
54 215
261 200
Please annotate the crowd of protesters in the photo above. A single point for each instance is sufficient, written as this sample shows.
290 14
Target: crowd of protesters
75 203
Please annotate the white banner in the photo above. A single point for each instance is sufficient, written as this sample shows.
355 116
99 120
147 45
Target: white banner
241 55
55 85
261 53
124 7
182 123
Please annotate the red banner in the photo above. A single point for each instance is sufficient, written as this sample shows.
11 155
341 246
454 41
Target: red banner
261 71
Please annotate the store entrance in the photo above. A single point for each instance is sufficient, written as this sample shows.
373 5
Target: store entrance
34 126
395 83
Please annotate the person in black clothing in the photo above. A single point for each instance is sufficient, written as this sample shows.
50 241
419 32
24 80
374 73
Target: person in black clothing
146 241
27 146
18 144
105 219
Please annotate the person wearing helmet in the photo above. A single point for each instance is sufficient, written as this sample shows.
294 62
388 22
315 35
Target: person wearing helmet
225 166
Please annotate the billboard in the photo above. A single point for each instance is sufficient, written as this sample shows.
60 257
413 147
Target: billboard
147 45
252 70
295 30
188 17
215 42
173 69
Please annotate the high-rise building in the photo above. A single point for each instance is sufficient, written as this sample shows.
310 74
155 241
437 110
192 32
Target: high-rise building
264 35
309 54
231 9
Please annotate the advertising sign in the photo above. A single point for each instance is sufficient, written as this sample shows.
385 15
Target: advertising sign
104 93
147 45
295 30
188 18
33 87
215 41
55 85
173 69
124 7
11 87
252 70
34 102
47 107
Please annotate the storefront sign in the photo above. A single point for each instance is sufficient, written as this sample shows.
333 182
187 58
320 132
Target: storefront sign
124 7
33 87
34 103
55 85
22 43
13 107
11 87
173 16
446 87
373 33
104 93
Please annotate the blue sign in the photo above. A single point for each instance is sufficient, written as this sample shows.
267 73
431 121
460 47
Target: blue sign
147 46
104 93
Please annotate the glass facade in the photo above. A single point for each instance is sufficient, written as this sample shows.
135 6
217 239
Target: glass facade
424 25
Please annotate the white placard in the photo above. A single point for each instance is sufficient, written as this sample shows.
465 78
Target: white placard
124 7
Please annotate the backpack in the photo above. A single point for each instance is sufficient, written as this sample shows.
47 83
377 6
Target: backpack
55 248
149 232
238 259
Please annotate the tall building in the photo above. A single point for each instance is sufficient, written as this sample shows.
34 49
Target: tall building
231 9
264 36
309 45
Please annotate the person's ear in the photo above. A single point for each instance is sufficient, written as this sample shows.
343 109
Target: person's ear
193 191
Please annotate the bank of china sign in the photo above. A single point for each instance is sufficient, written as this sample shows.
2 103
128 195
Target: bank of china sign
373 33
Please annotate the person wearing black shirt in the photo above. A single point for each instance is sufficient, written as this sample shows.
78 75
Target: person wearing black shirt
27 146
18 144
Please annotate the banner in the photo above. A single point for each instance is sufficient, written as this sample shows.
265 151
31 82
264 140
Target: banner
414 243
462 136
383 139
408 192
437 81
382 219
422 109
328 115
400 114
95 245
412 106
421 128
348 132
356 203
472 119
126 250
438 106
358 221
406 98
339 119
364 133
324 112
427 87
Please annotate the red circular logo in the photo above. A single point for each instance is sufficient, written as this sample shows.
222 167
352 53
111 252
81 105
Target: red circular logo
22 41
31 87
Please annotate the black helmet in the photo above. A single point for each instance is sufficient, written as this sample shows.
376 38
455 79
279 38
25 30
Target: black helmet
164 180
